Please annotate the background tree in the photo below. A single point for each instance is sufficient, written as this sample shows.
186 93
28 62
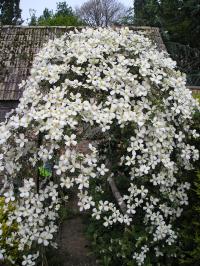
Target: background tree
63 9
139 6
178 21
10 12
47 13
63 16
128 19
101 12
33 18
181 20
147 12
178 18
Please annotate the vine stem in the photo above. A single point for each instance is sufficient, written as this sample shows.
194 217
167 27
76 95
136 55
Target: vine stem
117 195
40 138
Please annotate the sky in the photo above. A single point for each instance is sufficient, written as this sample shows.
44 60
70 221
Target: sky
39 5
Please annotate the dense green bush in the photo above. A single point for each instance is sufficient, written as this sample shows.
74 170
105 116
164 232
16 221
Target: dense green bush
60 21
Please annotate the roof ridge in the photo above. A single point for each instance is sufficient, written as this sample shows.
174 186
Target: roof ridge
66 27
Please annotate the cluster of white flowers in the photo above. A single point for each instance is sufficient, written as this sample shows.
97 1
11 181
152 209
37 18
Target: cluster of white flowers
140 257
103 79
30 259
34 216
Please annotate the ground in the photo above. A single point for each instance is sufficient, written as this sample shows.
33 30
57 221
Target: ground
74 248
74 245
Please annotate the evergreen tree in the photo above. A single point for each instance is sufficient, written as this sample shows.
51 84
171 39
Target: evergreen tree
63 9
33 18
178 19
191 23
173 19
139 6
181 20
146 13
10 12
47 13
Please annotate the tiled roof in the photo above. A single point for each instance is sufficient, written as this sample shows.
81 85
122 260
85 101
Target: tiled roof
6 107
19 44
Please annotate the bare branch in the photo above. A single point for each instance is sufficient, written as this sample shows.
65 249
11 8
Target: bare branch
101 12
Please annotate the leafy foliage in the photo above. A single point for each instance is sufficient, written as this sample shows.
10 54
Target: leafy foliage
64 16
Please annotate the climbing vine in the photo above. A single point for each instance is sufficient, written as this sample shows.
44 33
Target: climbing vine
114 89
